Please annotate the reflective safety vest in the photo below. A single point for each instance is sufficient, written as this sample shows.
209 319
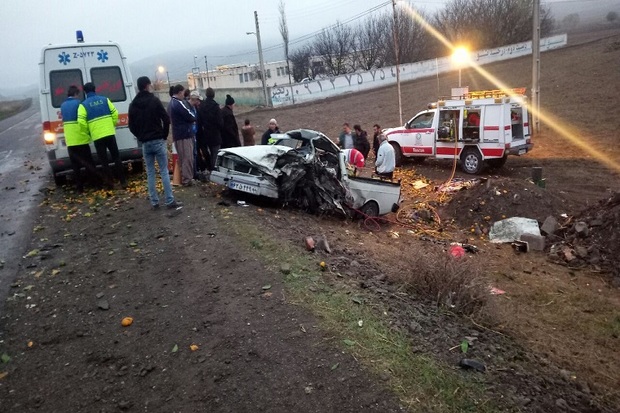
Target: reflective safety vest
74 135
97 116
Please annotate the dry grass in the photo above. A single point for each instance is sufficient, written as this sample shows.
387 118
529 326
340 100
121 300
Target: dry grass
10 108
454 283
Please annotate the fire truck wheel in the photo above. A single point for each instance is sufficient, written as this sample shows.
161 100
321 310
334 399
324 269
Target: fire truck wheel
398 154
497 163
471 161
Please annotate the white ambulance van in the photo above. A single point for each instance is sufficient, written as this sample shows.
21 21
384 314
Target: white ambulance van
482 128
76 64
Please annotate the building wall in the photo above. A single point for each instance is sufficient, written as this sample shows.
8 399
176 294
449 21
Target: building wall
240 76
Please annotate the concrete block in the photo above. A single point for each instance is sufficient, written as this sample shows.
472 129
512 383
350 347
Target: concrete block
550 226
535 242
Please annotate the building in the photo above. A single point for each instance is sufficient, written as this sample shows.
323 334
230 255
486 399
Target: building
239 76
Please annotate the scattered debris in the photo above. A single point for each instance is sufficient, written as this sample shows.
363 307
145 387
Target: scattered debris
511 229
472 364
127 321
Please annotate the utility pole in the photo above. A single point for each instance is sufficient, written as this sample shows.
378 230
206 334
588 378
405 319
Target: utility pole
397 53
536 67
207 67
262 62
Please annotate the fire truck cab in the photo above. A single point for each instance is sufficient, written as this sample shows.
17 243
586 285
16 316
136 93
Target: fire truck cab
482 128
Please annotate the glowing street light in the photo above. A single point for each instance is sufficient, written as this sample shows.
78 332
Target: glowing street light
460 57
161 69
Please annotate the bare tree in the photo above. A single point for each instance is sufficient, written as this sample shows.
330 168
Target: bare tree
300 59
490 23
335 46
370 38
284 32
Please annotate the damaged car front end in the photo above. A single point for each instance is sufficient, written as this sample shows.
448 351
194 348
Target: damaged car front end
304 167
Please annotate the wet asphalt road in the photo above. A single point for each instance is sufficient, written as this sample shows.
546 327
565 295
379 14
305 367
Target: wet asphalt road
24 172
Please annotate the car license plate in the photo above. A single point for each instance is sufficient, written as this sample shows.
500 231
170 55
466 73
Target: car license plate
522 151
250 189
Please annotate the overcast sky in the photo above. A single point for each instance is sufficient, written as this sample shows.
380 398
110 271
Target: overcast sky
147 27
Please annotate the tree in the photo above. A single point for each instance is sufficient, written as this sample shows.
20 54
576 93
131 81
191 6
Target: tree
334 46
570 21
413 40
612 16
370 39
284 32
490 23
300 59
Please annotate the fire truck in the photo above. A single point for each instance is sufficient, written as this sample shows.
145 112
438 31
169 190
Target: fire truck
480 128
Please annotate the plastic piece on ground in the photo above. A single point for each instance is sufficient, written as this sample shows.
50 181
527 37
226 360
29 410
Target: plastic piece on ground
510 229
456 251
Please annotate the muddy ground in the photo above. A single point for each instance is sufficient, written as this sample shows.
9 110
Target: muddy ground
188 278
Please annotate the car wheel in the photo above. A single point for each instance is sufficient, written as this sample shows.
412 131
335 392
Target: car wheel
497 163
371 209
137 166
60 180
471 161
398 154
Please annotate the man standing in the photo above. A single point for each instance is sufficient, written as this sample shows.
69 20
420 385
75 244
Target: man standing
98 117
273 128
345 140
150 124
210 117
76 140
183 121
360 140
230 131
375 138
386 161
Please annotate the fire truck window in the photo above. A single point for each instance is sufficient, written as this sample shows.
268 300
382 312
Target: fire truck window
109 82
423 121
60 80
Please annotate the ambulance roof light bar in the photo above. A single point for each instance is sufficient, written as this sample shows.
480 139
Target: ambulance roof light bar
79 36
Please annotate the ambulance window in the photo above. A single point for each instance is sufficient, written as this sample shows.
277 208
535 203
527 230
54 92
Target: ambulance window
109 82
60 80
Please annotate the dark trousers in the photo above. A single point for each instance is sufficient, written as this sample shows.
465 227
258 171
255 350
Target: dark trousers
102 146
213 150
203 158
81 157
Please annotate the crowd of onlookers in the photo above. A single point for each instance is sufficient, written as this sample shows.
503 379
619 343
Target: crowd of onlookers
199 126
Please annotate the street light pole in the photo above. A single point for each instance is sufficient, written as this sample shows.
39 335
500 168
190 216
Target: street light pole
207 67
195 71
397 52
260 57
536 68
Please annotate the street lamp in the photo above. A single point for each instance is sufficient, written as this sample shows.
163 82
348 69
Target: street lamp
161 69
260 57
207 67
460 56
195 72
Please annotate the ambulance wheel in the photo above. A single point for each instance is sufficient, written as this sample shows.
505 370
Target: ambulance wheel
371 209
497 163
398 154
471 161
60 180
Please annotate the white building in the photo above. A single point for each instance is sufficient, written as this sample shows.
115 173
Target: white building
238 76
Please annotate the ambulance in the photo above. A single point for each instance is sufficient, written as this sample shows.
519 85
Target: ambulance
76 64
481 128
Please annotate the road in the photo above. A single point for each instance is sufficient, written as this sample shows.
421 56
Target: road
23 172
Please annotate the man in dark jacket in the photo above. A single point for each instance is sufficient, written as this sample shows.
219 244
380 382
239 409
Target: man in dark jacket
183 121
210 138
230 130
360 140
150 124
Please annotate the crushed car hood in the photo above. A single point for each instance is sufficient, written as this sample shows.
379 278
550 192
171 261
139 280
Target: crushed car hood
263 157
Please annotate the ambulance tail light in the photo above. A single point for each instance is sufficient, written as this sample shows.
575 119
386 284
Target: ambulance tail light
507 146
48 136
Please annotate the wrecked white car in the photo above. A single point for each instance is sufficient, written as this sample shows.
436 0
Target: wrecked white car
304 167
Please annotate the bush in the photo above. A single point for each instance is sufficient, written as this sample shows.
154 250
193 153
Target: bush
456 284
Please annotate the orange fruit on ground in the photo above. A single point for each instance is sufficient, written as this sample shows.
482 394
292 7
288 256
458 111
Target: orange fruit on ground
127 321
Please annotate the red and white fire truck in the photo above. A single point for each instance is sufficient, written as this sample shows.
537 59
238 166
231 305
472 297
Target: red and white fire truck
483 127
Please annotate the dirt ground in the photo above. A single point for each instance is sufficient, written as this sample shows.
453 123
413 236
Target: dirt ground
549 341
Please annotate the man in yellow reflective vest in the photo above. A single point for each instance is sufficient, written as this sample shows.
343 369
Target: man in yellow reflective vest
98 117
77 141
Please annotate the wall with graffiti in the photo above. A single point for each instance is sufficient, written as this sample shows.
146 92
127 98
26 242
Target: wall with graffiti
355 82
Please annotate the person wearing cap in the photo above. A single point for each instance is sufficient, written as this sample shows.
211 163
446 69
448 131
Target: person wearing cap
150 124
77 141
273 128
183 121
230 129
386 159
98 117
210 118
354 160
